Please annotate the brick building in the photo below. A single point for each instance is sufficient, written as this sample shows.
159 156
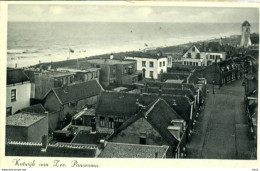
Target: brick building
119 72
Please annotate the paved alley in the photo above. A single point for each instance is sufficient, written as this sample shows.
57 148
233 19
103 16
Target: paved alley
221 131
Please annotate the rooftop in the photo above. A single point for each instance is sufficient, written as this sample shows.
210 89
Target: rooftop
78 91
16 76
24 119
85 137
109 61
56 73
174 81
37 108
121 150
124 103
78 70
145 55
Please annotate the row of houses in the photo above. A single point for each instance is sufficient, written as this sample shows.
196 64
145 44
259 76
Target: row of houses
251 105
158 115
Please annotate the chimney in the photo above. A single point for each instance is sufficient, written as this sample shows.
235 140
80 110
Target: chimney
44 142
111 56
175 131
93 126
102 144
179 122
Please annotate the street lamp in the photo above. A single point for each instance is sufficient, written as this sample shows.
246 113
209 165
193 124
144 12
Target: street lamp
213 86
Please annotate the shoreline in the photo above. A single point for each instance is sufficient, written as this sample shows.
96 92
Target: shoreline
174 49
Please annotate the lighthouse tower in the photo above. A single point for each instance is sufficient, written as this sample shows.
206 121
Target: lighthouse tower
245 37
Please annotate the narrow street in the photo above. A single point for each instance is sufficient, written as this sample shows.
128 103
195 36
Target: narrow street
221 130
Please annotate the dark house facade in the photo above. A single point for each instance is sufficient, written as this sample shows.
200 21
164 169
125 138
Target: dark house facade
68 100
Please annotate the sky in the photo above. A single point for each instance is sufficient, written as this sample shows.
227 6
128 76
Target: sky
102 13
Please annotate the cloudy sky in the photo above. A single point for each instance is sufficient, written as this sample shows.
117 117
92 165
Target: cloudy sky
94 13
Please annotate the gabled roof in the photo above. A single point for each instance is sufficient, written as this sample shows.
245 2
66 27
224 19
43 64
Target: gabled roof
171 85
37 108
180 104
123 103
159 115
172 91
77 92
122 150
117 103
16 76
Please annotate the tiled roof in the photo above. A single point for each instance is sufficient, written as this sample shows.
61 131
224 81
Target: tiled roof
85 137
159 114
78 91
171 85
121 150
181 105
160 117
23 119
16 76
117 103
122 103
172 91
37 108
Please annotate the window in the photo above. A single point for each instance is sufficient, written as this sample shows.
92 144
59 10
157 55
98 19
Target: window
160 64
151 74
163 63
102 121
13 95
193 49
8 111
142 138
189 55
144 63
184 62
151 64
110 123
198 55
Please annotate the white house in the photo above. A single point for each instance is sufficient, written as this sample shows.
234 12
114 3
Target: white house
18 91
195 57
150 64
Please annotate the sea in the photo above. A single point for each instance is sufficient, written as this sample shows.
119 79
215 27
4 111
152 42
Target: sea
30 43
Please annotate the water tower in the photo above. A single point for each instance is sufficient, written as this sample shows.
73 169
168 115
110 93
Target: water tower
245 37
